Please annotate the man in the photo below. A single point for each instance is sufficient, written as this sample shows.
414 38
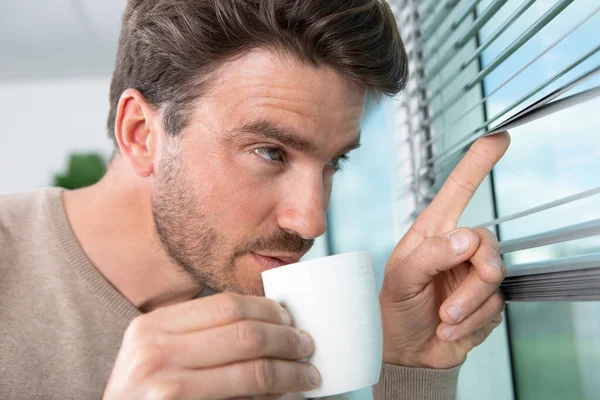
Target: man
230 119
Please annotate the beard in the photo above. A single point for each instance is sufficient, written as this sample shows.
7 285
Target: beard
200 250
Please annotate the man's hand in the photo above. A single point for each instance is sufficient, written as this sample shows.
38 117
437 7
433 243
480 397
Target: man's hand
440 294
218 347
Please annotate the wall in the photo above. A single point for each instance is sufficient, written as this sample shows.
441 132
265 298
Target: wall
43 121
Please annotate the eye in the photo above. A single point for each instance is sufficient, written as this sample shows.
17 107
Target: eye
338 162
273 154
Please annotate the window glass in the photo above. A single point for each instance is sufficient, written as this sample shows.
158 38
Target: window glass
555 346
360 214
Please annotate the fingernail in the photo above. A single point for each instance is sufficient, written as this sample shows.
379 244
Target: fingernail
286 318
306 343
496 264
460 242
448 332
454 312
313 376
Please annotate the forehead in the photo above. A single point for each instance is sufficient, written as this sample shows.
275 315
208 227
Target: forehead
262 84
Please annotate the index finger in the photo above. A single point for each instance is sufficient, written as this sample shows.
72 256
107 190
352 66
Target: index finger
447 207
218 310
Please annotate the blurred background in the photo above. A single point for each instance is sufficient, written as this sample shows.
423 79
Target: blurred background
57 59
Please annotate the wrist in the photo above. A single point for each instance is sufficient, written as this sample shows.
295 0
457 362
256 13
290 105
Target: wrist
404 360
419 360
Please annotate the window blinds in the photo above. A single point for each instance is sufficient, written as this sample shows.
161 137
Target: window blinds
442 39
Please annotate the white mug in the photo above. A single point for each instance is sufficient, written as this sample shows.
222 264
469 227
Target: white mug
335 300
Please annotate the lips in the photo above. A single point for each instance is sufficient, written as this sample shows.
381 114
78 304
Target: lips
270 262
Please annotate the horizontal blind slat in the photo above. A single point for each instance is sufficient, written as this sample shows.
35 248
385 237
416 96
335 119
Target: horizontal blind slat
520 41
566 264
543 207
571 232
499 31
471 136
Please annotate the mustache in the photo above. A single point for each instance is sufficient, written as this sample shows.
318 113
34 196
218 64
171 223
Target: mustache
281 241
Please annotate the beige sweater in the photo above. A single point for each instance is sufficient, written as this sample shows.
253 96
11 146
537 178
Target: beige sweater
61 322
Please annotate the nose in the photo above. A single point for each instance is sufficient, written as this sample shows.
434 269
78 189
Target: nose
303 209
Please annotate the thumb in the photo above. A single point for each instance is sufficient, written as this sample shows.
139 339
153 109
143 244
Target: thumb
435 254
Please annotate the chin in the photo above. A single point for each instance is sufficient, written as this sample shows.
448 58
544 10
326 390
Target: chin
246 287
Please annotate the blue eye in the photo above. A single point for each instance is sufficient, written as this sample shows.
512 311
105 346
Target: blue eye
270 153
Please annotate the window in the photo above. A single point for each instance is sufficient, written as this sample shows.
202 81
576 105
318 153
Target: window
555 346
361 213
360 216
474 65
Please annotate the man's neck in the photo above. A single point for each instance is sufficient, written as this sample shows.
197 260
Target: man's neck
113 223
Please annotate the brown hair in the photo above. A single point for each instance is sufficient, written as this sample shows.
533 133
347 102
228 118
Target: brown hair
167 48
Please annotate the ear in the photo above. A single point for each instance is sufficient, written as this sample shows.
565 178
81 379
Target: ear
137 125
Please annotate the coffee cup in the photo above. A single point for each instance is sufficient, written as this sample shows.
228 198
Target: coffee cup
335 300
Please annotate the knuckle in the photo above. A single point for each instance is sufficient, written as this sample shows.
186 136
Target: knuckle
251 336
488 275
140 328
485 233
146 361
468 302
497 321
480 335
463 183
485 155
264 375
430 250
468 328
171 389
231 307
490 267
503 270
498 301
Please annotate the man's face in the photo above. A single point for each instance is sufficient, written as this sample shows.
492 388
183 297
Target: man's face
246 184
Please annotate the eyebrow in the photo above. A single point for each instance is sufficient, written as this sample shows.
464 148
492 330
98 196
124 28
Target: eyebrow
269 130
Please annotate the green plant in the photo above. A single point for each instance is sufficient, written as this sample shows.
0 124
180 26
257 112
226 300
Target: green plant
83 170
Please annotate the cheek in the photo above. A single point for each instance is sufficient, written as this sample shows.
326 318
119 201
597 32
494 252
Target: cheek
237 201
